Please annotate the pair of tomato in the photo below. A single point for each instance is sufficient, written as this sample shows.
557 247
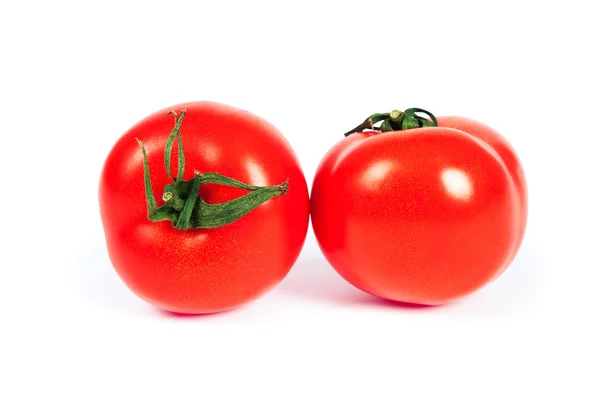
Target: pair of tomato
409 211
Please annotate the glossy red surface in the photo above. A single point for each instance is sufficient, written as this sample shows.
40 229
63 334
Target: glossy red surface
422 216
204 270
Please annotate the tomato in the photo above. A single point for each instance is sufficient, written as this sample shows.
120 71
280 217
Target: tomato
424 215
239 236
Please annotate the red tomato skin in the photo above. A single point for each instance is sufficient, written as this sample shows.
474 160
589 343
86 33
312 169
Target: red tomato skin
422 216
204 270
509 157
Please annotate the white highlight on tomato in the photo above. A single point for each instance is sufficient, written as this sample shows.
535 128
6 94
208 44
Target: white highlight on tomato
457 183
211 152
256 174
377 172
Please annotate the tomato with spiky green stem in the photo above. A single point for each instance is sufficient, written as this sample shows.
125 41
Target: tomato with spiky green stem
420 209
231 215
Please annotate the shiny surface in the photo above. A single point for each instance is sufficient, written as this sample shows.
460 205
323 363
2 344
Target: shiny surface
203 271
507 154
424 216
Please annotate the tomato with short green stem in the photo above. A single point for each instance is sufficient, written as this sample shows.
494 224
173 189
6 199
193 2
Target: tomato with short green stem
420 209
231 215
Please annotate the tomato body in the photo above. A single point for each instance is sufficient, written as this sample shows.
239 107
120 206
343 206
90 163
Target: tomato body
204 270
423 216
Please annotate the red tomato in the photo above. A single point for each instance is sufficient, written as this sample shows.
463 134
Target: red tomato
204 270
425 215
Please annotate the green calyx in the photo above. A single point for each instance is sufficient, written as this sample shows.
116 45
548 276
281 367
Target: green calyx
182 204
397 121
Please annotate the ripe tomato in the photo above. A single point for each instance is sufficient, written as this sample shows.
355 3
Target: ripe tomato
425 215
220 256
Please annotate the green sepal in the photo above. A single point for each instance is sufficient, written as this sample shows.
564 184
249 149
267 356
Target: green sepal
368 123
183 222
412 112
424 122
213 177
217 215
175 133
409 122
164 213
196 213
386 126
150 200
182 204
397 120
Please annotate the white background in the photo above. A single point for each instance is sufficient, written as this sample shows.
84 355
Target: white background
75 76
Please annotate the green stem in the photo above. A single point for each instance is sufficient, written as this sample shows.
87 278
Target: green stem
182 204
173 200
396 121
